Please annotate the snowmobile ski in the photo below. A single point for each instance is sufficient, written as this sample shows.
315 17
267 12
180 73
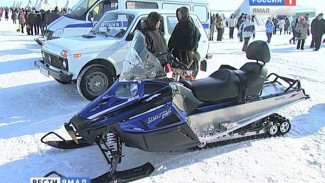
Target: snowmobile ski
126 175
119 176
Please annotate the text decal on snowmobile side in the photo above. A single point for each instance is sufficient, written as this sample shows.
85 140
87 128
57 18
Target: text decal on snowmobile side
161 115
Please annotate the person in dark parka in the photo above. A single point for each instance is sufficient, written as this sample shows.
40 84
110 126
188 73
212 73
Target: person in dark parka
185 37
32 19
317 31
155 40
55 14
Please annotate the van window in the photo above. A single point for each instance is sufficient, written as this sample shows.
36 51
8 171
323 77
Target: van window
79 10
171 23
174 6
99 10
141 5
201 12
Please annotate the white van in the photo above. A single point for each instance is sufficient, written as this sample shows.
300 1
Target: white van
94 61
81 18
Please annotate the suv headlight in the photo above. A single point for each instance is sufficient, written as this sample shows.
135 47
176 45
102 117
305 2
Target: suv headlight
65 64
58 33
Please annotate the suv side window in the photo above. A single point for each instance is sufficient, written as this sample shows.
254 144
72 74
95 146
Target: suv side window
142 19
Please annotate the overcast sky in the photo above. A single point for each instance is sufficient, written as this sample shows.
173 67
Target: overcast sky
214 4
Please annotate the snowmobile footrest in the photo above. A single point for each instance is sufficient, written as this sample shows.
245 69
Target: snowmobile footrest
64 144
126 175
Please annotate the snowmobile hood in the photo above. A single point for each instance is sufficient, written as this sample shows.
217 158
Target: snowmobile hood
81 44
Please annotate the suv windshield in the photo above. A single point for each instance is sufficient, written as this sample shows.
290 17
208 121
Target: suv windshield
139 63
80 8
113 24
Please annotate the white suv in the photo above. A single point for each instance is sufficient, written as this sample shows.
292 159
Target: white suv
94 61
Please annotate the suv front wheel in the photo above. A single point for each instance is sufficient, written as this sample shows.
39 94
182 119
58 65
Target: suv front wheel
93 81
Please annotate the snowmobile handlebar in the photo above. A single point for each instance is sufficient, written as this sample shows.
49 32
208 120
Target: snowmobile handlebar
175 63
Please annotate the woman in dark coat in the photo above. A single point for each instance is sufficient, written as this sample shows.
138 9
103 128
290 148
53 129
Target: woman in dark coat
185 37
155 40
6 14
317 30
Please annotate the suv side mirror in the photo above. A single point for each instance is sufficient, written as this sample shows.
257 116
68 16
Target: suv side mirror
208 56
129 37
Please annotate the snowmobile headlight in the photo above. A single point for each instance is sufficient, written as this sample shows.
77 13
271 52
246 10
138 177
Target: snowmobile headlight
58 33
133 89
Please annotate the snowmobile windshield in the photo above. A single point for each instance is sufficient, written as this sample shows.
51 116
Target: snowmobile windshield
139 63
113 24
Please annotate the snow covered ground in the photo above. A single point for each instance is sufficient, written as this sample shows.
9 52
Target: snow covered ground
31 105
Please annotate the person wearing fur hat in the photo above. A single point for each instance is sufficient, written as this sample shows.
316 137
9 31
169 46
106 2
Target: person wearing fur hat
155 40
317 31
185 37
302 32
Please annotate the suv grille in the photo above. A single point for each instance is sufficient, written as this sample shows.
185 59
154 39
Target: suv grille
53 60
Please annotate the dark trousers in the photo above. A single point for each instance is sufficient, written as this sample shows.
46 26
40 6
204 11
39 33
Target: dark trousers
28 29
269 36
42 30
231 32
220 33
318 40
22 27
300 44
293 39
246 41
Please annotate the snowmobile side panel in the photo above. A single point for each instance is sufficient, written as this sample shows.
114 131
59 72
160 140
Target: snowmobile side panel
171 139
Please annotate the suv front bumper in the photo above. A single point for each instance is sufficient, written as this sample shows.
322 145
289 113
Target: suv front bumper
56 73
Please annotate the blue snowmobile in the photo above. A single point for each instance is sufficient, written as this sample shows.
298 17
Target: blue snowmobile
144 109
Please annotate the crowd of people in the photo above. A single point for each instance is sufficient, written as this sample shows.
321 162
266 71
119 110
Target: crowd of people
299 27
29 20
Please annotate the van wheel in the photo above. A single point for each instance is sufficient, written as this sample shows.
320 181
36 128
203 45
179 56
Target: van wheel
93 81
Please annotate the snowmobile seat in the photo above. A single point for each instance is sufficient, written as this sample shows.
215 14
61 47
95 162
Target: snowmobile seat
220 85
252 75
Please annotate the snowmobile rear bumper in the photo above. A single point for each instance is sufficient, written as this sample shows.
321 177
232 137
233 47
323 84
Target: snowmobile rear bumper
48 70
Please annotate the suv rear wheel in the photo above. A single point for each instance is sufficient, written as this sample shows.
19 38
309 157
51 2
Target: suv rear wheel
93 81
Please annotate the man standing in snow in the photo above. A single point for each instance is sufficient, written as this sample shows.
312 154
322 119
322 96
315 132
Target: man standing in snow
231 24
269 29
281 24
185 37
317 31
302 31
247 30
